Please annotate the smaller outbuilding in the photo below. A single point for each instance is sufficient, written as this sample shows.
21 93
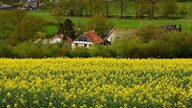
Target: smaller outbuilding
116 34
170 28
59 39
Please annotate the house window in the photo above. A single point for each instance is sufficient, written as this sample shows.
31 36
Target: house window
80 38
83 39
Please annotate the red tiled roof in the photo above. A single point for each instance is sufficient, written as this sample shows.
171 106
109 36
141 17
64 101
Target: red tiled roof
96 39
69 39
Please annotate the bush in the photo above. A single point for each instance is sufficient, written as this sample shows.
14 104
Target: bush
100 51
149 32
183 10
28 50
56 51
178 47
79 52
189 10
31 50
150 49
5 50
127 47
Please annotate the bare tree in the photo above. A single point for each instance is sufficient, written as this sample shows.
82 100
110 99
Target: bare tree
123 6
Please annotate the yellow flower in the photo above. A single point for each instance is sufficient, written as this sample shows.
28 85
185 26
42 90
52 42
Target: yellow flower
190 91
4 101
73 106
9 95
50 104
36 102
15 105
8 106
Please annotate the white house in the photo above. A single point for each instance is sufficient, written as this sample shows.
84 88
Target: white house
59 39
87 39
56 39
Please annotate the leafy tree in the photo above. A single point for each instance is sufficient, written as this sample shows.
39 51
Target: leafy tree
107 7
145 7
149 32
99 24
16 16
88 7
140 7
66 7
183 11
168 7
6 27
9 20
58 9
189 10
103 6
78 7
151 4
27 28
79 28
98 7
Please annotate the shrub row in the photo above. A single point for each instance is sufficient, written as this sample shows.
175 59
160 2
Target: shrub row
173 45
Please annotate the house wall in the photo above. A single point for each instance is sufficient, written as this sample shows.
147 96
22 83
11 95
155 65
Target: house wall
111 37
81 44
56 40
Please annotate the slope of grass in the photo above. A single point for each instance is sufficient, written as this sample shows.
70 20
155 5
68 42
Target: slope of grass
119 23
124 23
50 30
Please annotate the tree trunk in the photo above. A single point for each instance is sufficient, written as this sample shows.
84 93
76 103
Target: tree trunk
107 9
90 3
121 8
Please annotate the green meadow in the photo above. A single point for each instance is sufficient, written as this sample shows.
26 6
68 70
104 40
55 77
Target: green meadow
125 23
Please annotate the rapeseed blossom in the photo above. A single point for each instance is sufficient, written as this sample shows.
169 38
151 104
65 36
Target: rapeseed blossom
95 82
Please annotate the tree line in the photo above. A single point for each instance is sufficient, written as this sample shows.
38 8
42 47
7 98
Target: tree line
140 8
149 42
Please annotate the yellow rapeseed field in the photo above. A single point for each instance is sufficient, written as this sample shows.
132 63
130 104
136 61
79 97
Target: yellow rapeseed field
95 82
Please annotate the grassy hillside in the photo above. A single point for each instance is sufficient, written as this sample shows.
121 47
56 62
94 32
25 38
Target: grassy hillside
119 23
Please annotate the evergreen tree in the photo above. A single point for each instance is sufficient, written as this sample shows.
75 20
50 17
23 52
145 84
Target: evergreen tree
66 28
